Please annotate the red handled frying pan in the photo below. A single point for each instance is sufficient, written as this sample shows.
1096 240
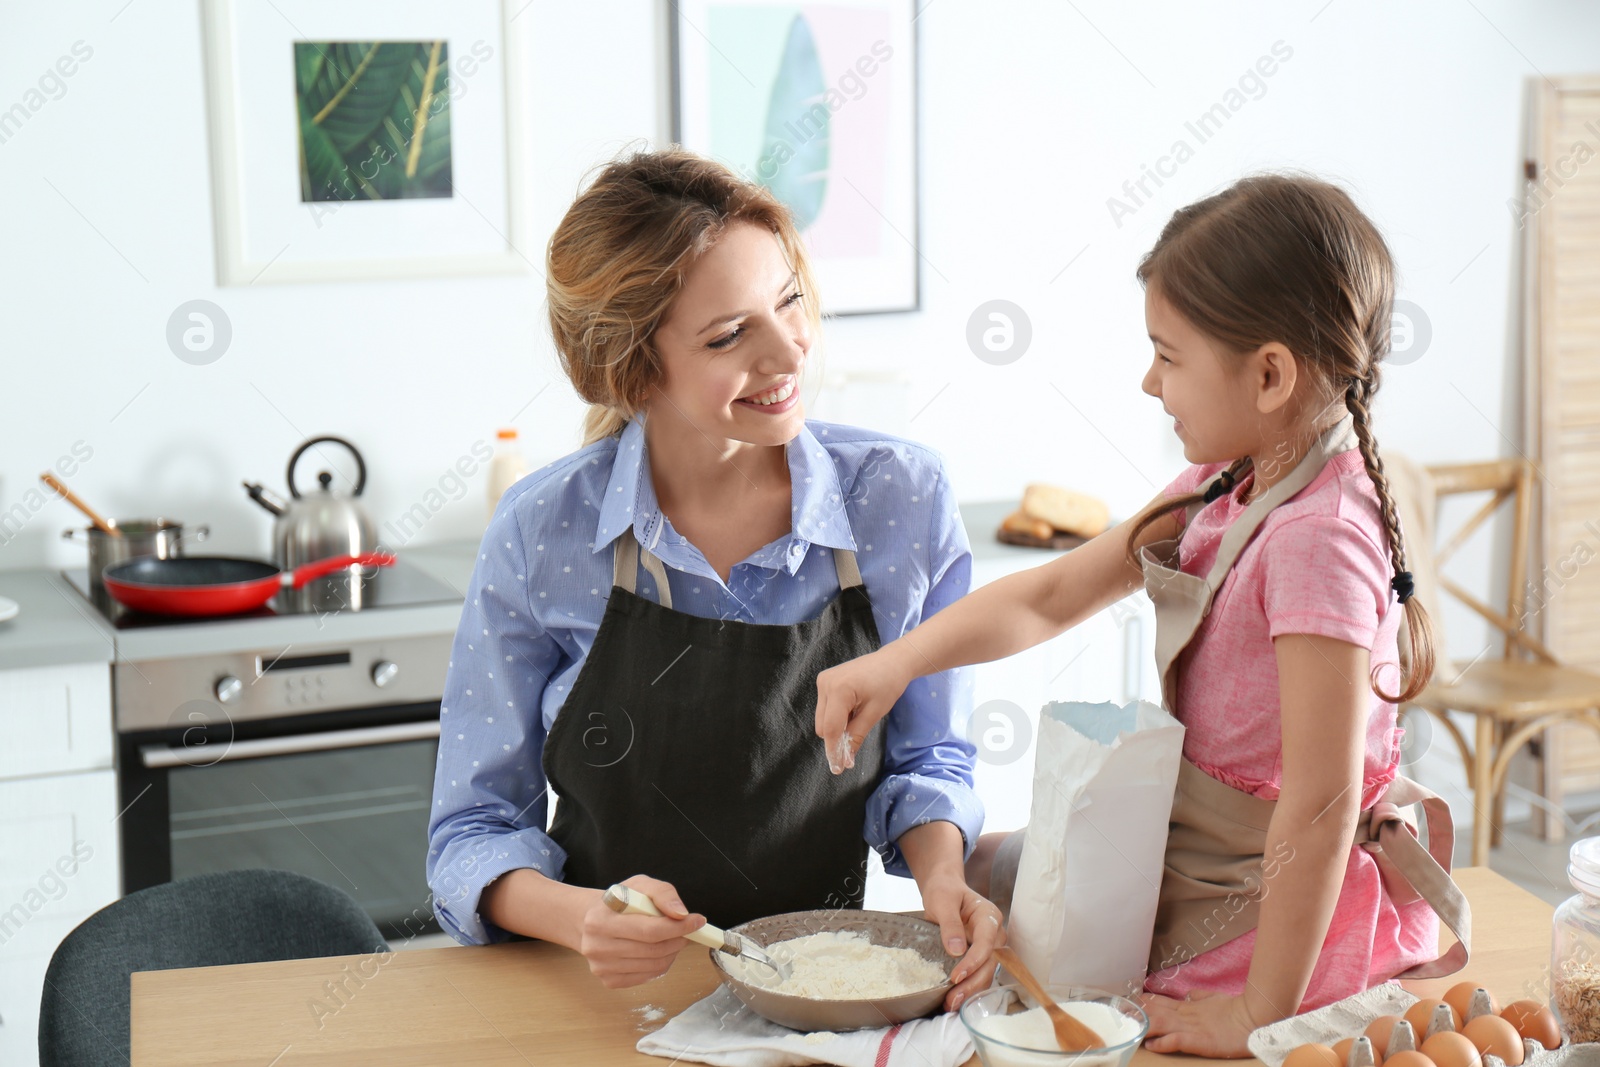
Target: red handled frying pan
215 585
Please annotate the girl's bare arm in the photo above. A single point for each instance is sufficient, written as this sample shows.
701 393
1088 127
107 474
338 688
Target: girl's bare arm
1002 618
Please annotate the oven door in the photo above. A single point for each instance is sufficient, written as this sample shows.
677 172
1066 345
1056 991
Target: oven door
341 797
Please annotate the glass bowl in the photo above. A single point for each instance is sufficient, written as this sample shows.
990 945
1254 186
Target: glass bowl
981 1015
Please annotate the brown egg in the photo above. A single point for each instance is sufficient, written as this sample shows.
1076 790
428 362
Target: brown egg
1341 1049
1379 1031
1312 1056
1408 1058
1459 997
1493 1036
1421 1013
1450 1049
1533 1020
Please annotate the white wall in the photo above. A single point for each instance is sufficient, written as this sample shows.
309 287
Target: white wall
1032 116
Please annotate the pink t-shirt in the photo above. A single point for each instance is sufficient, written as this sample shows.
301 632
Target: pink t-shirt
1318 564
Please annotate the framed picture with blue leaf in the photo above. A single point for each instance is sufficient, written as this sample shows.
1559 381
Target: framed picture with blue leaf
366 139
818 103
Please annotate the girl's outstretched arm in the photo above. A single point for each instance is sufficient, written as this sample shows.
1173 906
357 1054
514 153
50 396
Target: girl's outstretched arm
1325 690
1002 618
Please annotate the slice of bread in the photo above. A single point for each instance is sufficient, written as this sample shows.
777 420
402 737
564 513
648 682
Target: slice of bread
1065 510
1017 522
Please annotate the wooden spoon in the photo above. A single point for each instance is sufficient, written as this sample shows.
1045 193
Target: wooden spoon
72 498
1071 1035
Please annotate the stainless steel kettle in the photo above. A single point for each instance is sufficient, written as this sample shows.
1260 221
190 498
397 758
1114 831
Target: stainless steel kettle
322 523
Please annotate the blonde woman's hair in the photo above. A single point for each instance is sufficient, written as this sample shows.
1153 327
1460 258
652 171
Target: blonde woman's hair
1292 259
619 259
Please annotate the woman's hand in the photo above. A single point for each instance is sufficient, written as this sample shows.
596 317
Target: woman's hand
625 950
851 698
1207 1024
965 919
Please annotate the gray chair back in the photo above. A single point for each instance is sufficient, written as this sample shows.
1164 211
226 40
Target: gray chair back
247 916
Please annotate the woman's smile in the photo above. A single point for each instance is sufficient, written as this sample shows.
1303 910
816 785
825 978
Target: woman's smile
775 400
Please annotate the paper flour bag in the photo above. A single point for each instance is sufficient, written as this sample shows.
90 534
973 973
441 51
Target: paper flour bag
1089 875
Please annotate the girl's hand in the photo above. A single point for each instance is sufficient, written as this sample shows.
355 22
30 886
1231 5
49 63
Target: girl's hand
966 919
1207 1024
625 950
851 698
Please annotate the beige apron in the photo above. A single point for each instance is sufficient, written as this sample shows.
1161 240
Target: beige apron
1217 872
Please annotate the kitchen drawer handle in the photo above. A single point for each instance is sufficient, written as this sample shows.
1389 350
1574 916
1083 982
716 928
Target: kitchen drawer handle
159 756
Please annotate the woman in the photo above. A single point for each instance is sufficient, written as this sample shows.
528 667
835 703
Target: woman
673 717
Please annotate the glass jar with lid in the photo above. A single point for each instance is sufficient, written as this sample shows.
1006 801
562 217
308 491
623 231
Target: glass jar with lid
1575 947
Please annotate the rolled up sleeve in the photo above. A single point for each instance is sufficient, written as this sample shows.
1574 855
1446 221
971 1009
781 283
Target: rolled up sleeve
490 802
928 761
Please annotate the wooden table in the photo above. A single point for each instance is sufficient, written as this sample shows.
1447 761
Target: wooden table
533 1002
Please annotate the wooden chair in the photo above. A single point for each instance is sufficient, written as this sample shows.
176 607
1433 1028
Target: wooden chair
1512 697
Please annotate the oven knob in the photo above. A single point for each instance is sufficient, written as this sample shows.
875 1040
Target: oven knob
383 672
228 689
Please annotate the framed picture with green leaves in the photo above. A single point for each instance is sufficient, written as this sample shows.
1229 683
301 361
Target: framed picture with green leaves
366 140
816 101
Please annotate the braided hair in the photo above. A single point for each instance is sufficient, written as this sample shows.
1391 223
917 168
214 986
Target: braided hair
1290 258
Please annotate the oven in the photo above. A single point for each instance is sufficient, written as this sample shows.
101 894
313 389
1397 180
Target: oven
313 756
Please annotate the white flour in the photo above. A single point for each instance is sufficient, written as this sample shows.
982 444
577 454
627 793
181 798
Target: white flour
1032 1029
841 965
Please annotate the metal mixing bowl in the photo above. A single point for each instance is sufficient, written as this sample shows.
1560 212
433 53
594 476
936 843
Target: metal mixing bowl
803 1013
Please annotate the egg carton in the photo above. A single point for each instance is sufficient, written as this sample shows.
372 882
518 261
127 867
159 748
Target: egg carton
1344 1018
1572 1054
1327 1025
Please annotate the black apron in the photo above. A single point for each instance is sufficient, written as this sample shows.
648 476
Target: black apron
687 751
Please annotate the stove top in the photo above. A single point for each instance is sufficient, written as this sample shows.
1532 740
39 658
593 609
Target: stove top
371 589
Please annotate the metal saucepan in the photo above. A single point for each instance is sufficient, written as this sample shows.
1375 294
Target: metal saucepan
216 585
161 538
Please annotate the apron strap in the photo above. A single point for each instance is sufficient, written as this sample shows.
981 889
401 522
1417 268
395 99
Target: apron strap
629 555
844 561
1426 869
625 571
1340 437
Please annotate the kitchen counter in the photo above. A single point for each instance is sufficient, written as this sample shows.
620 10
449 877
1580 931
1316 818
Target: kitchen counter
57 625
451 561
527 1002
54 626
303 632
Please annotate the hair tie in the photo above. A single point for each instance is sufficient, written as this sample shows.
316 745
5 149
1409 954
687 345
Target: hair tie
1402 586
1223 484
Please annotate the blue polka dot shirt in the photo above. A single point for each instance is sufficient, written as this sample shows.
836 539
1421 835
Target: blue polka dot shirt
539 590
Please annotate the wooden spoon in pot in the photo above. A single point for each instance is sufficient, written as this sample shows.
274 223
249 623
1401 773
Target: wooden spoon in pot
1071 1035
72 498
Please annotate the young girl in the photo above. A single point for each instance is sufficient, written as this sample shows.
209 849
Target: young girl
648 614
1278 571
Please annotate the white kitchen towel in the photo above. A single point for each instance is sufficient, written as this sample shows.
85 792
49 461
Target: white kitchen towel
720 1029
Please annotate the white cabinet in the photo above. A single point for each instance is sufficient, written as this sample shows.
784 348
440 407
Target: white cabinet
1109 657
54 719
58 837
59 855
